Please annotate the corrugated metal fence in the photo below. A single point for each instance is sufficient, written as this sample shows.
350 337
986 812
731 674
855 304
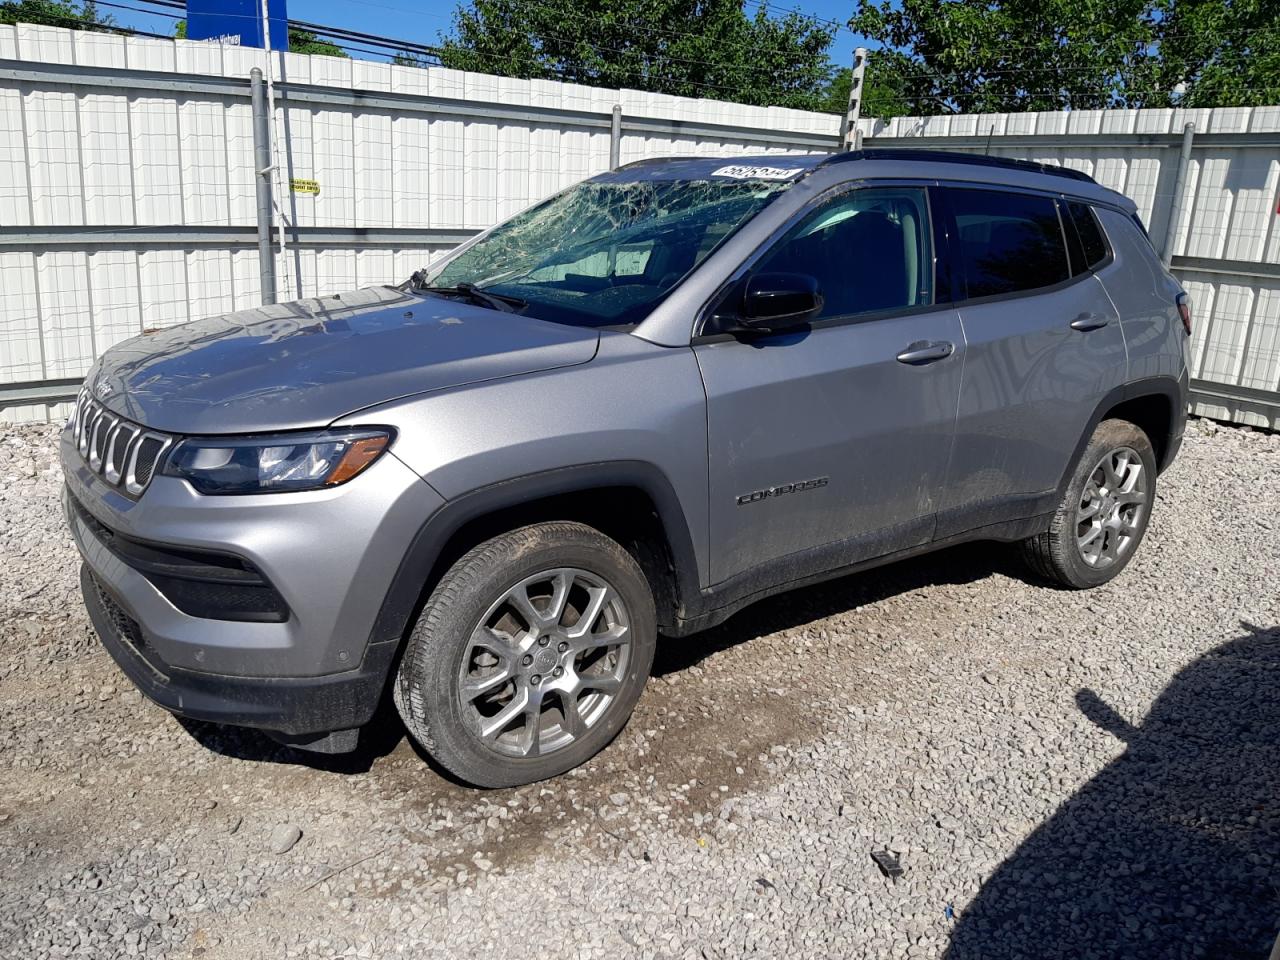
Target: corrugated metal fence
127 191
1225 247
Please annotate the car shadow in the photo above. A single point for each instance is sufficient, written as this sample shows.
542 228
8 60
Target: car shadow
965 563
1173 849
378 738
961 564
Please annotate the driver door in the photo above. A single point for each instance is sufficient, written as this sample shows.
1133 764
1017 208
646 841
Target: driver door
828 444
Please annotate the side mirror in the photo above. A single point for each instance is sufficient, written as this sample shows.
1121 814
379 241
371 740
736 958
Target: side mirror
775 301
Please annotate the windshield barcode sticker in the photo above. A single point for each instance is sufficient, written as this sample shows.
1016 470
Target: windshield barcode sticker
742 172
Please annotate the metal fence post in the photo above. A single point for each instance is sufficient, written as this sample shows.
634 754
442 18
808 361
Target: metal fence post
262 179
852 138
615 138
1179 188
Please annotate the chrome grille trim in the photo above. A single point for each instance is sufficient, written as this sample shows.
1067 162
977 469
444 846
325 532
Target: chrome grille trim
126 430
97 433
131 482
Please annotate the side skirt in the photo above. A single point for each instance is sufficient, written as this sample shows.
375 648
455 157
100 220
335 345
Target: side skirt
724 601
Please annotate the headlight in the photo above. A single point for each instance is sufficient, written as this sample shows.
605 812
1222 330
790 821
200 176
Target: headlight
293 461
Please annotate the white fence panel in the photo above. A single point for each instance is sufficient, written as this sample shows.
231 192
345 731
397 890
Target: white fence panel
127 193
1226 245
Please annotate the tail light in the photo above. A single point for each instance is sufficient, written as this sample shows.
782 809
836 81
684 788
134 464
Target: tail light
1184 311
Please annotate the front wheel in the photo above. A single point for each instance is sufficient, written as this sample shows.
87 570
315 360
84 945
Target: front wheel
1104 512
529 655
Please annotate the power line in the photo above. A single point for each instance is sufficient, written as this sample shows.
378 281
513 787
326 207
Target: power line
1155 40
351 39
768 7
656 60
590 18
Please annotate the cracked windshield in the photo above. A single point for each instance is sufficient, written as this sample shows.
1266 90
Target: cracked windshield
605 253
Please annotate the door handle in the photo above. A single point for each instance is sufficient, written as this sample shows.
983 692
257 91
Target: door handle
1088 321
925 351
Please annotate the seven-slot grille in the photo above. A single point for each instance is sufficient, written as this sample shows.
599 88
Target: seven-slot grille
122 452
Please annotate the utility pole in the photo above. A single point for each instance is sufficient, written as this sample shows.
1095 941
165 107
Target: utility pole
1179 194
274 169
262 178
852 138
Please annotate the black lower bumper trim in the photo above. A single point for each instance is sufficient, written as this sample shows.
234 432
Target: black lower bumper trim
296 706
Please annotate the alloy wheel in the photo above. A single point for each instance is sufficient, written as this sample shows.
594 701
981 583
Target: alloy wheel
545 662
1111 508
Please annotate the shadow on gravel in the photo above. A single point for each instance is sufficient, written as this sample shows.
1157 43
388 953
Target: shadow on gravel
1171 851
377 739
961 564
966 563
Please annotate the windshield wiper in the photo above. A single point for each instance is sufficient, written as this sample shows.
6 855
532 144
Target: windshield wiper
476 295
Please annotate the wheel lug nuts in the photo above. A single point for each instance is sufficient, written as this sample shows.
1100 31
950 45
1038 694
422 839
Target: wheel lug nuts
528 659
535 679
563 646
559 671
543 641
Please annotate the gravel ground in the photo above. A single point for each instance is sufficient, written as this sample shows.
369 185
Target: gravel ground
1061 775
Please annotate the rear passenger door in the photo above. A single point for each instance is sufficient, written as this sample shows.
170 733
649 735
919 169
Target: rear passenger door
1043 347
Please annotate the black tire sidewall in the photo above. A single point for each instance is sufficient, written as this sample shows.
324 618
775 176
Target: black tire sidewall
1110 435
427 685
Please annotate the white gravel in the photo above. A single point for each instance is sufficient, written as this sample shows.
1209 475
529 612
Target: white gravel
1061 774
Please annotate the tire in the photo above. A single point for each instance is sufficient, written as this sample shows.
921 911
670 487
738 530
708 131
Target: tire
1115 531
475 660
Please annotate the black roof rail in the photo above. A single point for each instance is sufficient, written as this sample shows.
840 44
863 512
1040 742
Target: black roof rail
949 156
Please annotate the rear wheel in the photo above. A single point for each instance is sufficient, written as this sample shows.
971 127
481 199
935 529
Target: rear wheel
1104 512
529 655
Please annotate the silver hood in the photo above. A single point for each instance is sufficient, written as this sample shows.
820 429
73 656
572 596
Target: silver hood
306 364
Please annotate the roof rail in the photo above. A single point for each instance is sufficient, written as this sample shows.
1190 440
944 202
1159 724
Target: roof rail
948 156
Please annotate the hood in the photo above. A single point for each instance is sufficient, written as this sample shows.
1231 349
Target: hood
306 364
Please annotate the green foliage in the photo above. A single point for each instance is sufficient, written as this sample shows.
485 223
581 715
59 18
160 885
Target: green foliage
884 92
1226 52
304 41
404 58
83 16
975 56
695 48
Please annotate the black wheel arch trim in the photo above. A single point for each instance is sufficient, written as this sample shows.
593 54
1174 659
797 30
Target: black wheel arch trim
1173 389
406 591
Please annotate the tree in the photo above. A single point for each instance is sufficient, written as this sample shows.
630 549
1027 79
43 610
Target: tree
696 48
883 90
1220 53
304 41
83 16
973 56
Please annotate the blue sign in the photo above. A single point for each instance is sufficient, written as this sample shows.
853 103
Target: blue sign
237 22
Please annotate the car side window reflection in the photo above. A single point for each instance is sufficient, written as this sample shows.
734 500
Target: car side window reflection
869 250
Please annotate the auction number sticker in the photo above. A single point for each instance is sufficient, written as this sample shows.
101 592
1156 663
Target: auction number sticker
744 172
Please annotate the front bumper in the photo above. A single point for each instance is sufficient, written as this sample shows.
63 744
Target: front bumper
295 706
331 555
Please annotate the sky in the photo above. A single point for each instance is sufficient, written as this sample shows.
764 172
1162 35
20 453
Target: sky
424 21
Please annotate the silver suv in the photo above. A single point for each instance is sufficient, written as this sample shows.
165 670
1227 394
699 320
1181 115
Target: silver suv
631 410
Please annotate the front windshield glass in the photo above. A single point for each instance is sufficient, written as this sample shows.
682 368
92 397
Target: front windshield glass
604 253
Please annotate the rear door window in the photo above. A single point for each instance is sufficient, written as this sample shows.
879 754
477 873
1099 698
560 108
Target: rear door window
1092 246
1009 242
